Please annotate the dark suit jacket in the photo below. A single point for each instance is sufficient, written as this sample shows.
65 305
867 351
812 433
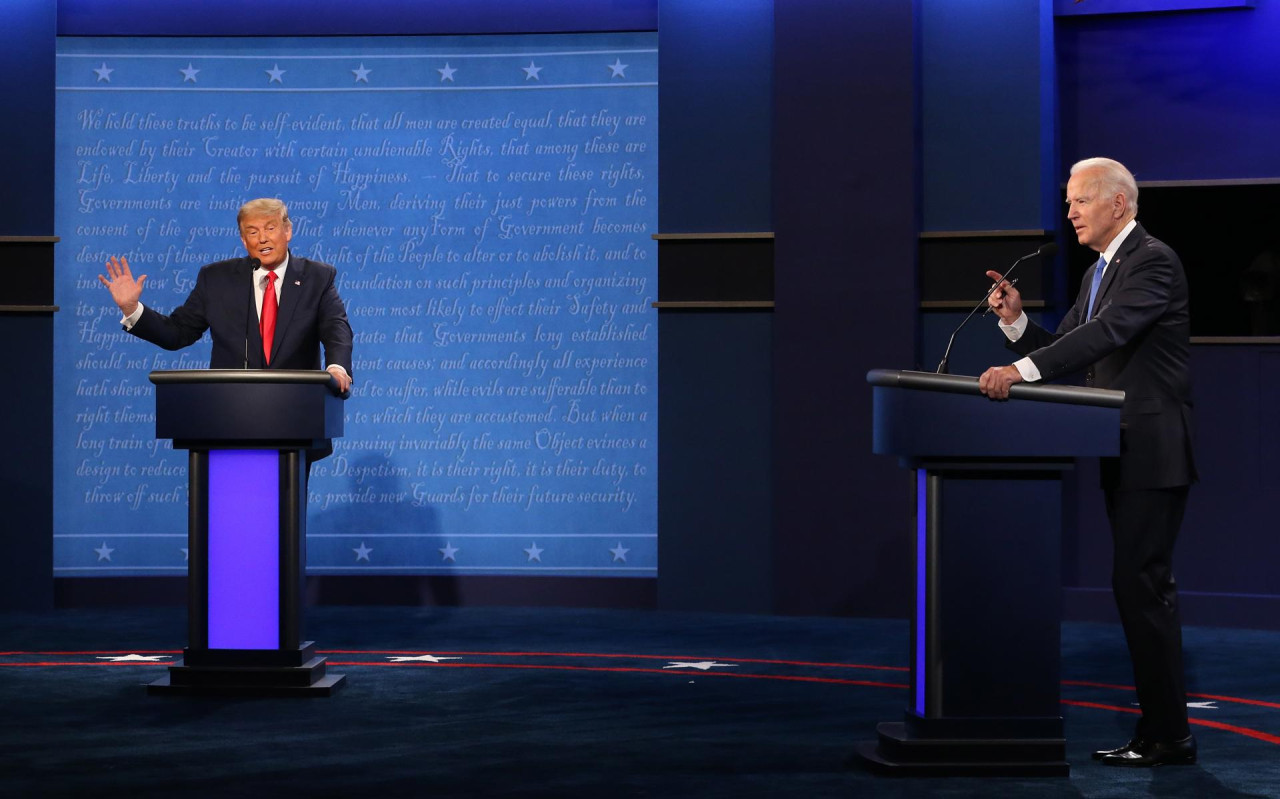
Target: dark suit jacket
1138 342
222 302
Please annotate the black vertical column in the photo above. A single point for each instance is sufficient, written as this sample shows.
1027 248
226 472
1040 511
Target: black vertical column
845 222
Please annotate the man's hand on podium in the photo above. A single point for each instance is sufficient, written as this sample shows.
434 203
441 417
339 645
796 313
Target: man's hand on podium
340 374
995 382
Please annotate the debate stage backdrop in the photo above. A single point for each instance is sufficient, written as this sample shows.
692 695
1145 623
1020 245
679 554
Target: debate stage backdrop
489 204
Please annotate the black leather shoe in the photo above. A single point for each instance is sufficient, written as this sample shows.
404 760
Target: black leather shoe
1145 754
1133 744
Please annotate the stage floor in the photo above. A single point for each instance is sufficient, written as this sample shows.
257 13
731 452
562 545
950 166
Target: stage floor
570 703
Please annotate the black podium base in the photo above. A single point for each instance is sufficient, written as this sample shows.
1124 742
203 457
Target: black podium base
900 754
240 672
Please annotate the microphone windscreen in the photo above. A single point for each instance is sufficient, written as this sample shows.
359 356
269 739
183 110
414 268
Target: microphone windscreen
1047 249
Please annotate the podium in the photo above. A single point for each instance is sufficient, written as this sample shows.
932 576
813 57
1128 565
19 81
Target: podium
248 433
985 650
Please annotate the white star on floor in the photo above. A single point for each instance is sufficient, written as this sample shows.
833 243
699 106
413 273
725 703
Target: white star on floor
619 69
531 72
362 553
700 665
1213 705
189 74
104 72
276 73
446 72
104 552
448 552
134 658
362 74
419 659
620 553
534 552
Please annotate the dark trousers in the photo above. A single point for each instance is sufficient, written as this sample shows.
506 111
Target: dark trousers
1144 528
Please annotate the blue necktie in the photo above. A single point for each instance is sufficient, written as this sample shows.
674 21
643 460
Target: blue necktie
1093 289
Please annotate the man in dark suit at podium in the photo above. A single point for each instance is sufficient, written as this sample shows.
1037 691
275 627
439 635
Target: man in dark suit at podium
1128 330
252 327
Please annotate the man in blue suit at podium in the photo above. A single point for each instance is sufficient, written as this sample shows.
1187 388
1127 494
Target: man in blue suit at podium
1128 330
269 310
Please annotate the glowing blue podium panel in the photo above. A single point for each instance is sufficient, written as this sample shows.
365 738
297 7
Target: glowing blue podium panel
244 549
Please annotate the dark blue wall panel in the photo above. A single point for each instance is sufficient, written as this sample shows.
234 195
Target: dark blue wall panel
26 209
1186 96
714 441
715 366
326 17
715 62
982 113
844 214
26 83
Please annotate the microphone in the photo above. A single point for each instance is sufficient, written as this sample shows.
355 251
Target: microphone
254 263
1045 250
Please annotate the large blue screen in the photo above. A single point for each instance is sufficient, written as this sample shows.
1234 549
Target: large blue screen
488 202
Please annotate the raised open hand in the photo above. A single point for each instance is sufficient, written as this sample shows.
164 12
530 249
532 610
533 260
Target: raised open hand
124 289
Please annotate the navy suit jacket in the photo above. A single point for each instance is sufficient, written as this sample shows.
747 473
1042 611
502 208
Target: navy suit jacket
222 302
1138 342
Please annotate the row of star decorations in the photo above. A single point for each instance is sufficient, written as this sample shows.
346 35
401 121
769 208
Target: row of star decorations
447 552
276 75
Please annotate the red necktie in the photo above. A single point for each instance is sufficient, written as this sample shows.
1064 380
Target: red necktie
267 324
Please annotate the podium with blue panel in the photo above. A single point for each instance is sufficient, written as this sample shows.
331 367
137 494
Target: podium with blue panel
985 652
248 433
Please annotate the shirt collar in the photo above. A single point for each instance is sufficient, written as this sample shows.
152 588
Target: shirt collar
259 273
1114 246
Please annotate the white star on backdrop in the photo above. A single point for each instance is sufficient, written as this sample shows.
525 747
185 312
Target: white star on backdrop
620 553
619 69
104 552
189 74
133 658
104 72
276 73
362 553
534 552
362 74
448 552
419 658
531 72
446 72
700 665
186 554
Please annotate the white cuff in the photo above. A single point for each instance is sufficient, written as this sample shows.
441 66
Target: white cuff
1014 331
1028 370
132 319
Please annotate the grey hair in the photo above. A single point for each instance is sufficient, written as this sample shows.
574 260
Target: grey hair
263 206
1115 179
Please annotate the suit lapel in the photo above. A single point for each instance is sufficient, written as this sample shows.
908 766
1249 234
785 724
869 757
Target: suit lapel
294 282
252 329
1122 256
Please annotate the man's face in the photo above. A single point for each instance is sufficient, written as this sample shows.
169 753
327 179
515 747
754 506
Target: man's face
266 238
1096 217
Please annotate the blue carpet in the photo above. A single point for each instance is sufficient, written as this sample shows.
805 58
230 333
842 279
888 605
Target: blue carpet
574 703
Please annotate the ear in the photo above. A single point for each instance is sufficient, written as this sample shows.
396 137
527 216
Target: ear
1120 206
